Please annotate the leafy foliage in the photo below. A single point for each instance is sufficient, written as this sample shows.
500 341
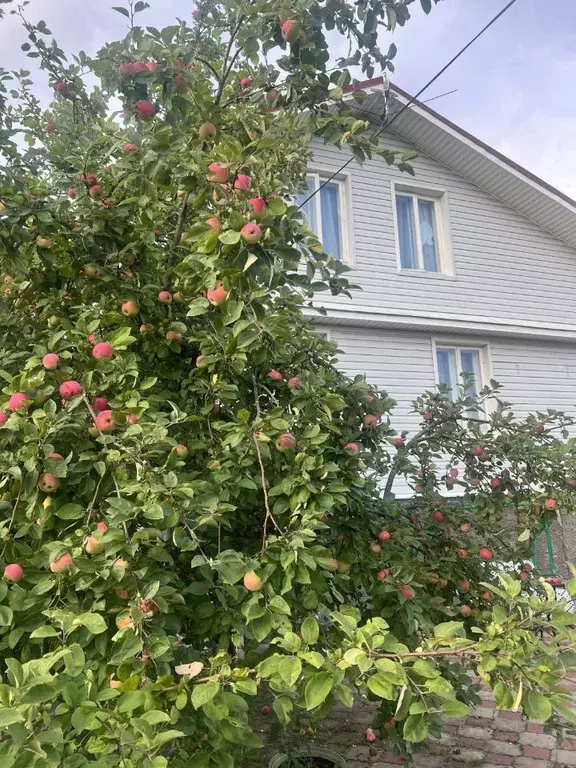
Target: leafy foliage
197 506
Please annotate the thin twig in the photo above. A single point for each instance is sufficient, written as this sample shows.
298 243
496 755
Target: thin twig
93 502
12 519
225 68
181 218
422 654
269 515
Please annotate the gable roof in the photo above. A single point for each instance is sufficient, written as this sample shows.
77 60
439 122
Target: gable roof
439 138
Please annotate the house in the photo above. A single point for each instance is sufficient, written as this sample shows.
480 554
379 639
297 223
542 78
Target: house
467 266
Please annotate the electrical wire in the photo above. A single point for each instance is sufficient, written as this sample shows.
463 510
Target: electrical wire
412 99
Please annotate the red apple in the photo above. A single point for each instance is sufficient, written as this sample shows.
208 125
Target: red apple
242 182
245 82
486 553
130 308
252 581
124 620
370 735
465 527
433 578
70 389
251 232
19 401
120 563
132 418
217 295
50 361
48 127
454 472
465 610
207 131
524 576
130 147
437 516
286 441
486 596
13 572
3 418
148 606
100 404
55 455
399 442
265 709
145 109
72 192
463 553
89 179
258 205
152 66
271 96
352 448
383 573
475 481
406 591
293 382
528 567
214 224
274 375
371 420
484 456
218 173
540 428
290 31
465 585
48 483
125 68
165 297
96 191
62 563
428 415
376 547
175 336
103 351
550 504
384 535
146 328
181 450
105 421
93 545
477 450
495 482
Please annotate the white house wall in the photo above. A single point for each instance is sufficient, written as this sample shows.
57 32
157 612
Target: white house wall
506 267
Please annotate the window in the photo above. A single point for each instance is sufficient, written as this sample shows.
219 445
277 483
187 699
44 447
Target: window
422 243
459 365
326 213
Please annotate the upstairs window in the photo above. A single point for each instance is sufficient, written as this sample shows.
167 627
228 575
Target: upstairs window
326 213
421 229
461 365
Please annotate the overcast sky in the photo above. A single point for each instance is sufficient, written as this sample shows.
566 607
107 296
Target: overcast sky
515 87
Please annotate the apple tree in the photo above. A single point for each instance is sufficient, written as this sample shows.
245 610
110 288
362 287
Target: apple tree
197 511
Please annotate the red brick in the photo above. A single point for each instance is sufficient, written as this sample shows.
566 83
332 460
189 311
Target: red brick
390 757
508 736
535 728
467 742
480 721
450 728
499 759
510 715
568 744
539 754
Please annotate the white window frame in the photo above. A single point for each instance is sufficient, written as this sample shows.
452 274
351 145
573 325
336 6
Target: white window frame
439 197
344 201
459 343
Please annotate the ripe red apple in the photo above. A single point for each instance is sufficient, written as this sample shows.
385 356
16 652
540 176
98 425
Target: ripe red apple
105 421
454 472
214 224
258 205
207 131
62 563
290 31
486 596
165 297
72 193
70 389
550 504
384 535
371 420
3 418
101 526
286 441
251 232
428 415
148 606
217 295
96 191
120 563
477 450
376 547
265 709
93 546
495 482
370 735
293 382
483 456
50 361
146 328
130 147
132 418
19 401
242 182
274 375
352 448
89 179
465 585
145 109
406 591
125 68
55 455
181 450
100 404
475 481
218 173
383 573
252 581
44 242
48 127
130 308
437 516
13 572
524 576
245 82
433 578
486 553
174 336
443 582
465 527
528 567
463 553
399 442
465 610
271 96
540 428
103 351
152 66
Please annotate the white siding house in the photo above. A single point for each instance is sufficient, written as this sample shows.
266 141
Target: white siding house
468 265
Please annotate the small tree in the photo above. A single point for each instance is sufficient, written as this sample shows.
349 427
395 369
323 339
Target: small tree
193 510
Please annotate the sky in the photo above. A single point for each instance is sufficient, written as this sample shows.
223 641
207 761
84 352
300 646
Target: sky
514 87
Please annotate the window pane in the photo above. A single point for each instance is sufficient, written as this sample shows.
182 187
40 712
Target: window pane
331 226
470 361
447 373
406 232
309 209
428 235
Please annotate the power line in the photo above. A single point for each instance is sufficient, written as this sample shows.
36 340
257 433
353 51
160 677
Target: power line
414 98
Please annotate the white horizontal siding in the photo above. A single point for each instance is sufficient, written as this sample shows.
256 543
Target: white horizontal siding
506 266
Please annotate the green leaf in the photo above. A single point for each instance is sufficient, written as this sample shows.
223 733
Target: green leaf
415 729
317 689
252 259
537 706
379 686
289 669
425 669
6 616
70 512
38 693
229 237
449 629
9 716
283 707
454 708
131 701
279 605
121 10
92 621
246 686
310 630
167 736
202 694
45 631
